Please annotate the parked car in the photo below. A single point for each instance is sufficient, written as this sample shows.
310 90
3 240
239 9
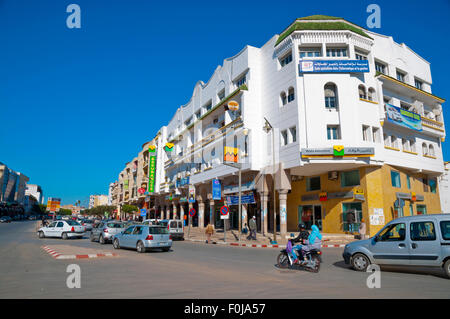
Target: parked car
104 231
5 219
143 238
422 240
32 217
174 226
63 229
88 224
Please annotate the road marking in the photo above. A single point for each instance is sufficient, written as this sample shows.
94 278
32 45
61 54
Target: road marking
57 255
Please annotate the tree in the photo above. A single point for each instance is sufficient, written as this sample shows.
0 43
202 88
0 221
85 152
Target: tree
129 209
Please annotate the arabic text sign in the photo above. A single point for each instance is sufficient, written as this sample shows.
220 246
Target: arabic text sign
403 117
334 66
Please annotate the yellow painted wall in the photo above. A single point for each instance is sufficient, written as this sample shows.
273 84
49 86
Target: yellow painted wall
378 192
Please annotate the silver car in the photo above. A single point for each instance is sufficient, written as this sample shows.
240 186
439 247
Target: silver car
104 231
422 240
143 238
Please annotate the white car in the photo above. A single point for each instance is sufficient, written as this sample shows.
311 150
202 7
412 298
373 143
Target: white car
62 229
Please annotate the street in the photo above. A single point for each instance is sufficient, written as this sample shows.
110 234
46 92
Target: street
191 270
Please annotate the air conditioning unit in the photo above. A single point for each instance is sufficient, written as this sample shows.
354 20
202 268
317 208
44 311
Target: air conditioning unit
332 176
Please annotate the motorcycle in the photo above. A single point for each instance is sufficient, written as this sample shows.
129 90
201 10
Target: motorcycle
312 264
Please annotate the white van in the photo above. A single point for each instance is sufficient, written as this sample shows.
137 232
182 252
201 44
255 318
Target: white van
174 226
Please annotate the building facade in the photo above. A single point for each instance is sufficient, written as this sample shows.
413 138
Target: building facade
444 189
12 186
36 192
334 124
98 200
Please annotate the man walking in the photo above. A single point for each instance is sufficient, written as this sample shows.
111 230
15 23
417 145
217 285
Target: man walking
252 225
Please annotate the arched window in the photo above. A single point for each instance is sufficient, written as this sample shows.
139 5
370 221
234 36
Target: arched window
413 145
330 91
424 149
431 150
291 94
283 98
372 95
362 92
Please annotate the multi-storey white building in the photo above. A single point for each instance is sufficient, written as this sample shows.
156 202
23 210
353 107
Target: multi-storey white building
444 189
357 134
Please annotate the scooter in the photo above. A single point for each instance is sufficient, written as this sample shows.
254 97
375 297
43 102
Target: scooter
312 262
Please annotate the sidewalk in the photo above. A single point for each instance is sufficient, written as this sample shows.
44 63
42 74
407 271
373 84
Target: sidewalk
232 237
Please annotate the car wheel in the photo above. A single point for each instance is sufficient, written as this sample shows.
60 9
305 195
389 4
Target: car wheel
41 234
360 262
140 247
166 249
101 240
116 244
447 268
64 236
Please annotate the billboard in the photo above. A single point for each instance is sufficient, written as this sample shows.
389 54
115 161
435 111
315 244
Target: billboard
152 170
53 204
403 118
216 189
334 66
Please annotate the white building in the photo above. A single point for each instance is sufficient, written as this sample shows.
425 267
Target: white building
36 192
326 95
444 189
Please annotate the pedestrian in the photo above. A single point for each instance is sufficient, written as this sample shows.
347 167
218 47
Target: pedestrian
350 221
252 225
209 232
362 229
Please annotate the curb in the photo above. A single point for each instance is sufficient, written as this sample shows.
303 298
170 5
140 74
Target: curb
259 245
57 255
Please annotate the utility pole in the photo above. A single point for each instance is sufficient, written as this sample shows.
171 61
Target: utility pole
269 128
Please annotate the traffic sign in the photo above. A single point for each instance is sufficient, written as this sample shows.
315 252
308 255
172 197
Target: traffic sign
192 212
224 210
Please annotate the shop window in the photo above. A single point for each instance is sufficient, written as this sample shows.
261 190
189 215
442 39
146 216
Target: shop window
395 179
349 179
351 216
421 209
432 184
313 184
423 231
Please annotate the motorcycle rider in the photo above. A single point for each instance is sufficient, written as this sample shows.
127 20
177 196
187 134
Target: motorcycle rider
301 238
314 241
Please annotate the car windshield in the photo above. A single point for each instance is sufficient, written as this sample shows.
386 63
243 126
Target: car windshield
72 223
158 230
115 225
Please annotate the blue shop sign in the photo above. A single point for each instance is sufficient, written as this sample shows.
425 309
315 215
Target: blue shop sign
216 189
183 181
334 66
245 199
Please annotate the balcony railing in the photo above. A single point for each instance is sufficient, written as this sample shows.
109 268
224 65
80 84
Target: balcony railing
433 124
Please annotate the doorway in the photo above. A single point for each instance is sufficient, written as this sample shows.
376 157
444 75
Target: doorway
310 215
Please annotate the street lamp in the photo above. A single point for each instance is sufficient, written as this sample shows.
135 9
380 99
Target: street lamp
269 128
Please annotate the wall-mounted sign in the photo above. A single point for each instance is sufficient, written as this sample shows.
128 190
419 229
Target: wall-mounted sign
141 190
358 194
323 197
182 182
216 189
403 117
245 187
152 172
334 66
191 196
230 154
169 147
233 105
245 199
338 151
152 149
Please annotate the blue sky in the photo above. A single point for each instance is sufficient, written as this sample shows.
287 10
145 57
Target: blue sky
77 104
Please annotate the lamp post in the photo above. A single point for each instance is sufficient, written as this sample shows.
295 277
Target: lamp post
269 128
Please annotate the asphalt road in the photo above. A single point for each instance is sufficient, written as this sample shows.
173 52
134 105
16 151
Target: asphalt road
192 270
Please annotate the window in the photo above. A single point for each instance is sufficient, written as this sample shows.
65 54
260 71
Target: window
375 134
310 52
418 84
333 132
423 231
412 143
188 121
366 133
349 179
291 94
394 142
198 114
400 76
387 140
424 149
431 150
293 131
221 95
284 138
330 91
421 209
128 230
313 184
405 144
336 52
286 60
60 224
371 95
360 56
408 182
213 152
425 184
445 229
396 232
380 67
395 179
283 98
432 184
208 106
241 81
362 92
137 230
